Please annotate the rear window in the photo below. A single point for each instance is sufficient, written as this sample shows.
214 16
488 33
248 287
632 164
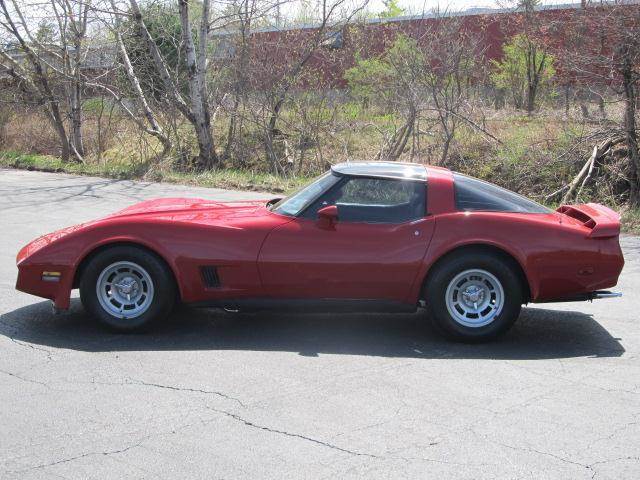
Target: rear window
476 195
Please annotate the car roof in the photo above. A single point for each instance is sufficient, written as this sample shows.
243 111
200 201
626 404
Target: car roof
396 170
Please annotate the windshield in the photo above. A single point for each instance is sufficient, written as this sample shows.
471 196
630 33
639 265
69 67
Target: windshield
294 204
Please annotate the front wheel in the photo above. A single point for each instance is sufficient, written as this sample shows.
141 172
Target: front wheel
474 297
127 288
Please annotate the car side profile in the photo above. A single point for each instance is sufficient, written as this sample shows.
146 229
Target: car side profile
365 236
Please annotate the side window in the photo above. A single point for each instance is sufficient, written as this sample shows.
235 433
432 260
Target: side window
374 200
473 194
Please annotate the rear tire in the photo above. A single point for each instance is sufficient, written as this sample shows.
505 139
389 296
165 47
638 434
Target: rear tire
474 297
127 288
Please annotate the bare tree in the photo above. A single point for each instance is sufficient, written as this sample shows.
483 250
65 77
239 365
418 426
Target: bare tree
605 50
195 108
236 49
278 67
153 126
454 60
526 64
426 79
30 65
72 20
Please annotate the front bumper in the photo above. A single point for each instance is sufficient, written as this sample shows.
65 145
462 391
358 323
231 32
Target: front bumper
35 279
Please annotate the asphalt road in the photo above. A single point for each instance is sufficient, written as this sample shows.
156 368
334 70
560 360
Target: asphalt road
218 395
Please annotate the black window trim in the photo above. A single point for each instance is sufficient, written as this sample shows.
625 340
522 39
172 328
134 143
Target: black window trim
301 213
310 202
459 209
346 177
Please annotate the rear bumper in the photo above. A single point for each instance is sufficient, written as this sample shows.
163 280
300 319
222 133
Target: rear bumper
31 279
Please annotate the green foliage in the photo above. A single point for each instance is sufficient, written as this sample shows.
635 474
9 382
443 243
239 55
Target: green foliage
391 10
46 32
363 79
352 111
631 220
520 55
528 5
386 76
95 105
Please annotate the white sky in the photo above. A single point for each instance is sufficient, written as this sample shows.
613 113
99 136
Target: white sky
454 5
413 7
428 5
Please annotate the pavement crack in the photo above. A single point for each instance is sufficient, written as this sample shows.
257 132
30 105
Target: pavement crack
594 472
24 379
142 383
77 457
32 347
186 389
248 423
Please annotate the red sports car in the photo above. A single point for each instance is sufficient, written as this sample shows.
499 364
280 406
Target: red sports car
364 236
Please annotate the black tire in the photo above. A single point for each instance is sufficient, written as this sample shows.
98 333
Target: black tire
445 272
164 288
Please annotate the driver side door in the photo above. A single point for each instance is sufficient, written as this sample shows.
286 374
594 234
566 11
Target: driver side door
372 252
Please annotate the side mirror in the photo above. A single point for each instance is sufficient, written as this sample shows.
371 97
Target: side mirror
273 201
327 217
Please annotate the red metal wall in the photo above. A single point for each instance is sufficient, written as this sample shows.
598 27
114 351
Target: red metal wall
275 53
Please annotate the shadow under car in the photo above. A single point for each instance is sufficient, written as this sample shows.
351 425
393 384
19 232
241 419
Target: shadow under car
538 334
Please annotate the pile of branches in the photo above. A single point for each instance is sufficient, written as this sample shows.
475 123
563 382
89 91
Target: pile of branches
595 164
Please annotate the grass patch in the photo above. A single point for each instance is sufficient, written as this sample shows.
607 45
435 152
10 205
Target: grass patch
631 221
223 178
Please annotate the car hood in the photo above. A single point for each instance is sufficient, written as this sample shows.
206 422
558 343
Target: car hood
195 208
191 210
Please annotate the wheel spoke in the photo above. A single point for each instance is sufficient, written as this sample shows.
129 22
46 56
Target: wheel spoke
474 298
125 289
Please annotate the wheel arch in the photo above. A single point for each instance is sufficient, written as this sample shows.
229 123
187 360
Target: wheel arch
482 248
89 255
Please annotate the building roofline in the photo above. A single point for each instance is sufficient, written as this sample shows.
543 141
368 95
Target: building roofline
475 11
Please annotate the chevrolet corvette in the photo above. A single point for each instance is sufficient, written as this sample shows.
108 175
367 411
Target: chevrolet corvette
365 236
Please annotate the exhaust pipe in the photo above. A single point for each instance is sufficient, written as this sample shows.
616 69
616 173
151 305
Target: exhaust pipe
583 297
604 294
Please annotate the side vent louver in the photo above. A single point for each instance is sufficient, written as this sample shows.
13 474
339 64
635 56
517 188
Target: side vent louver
210 276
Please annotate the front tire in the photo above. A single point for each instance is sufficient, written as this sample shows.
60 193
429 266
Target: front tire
474 297
127 288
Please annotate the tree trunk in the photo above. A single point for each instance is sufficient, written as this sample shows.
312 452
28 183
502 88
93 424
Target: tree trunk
270 135
231 131
196 69
56 122
445 150
207 158
75 115
75 95
531 99
534 73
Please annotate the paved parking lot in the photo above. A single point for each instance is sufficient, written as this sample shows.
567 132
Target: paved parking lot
218 395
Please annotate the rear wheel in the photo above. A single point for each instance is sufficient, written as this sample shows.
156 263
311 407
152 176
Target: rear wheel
474 297
127 288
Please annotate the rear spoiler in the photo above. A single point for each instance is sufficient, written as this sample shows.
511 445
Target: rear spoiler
602 221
